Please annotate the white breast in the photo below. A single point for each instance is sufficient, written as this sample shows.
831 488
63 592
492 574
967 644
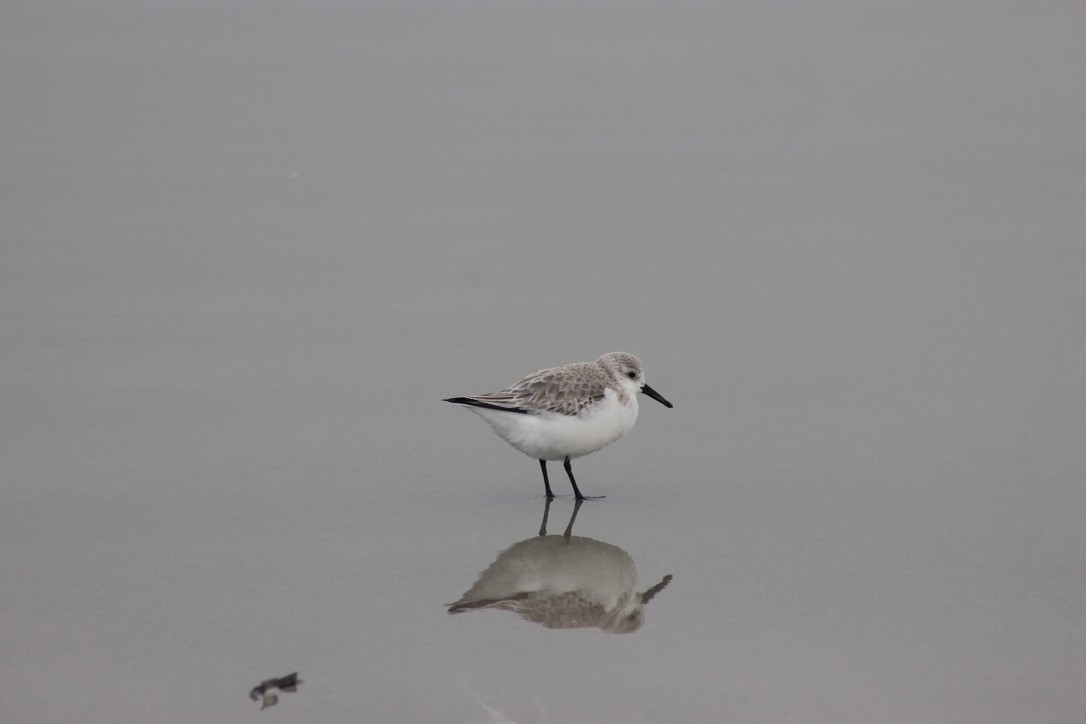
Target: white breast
550 436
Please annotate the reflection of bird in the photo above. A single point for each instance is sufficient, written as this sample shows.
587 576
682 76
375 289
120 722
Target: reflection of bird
563 581
265 692
566 412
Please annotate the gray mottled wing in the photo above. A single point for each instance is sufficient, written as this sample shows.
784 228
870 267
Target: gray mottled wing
570 610
564 390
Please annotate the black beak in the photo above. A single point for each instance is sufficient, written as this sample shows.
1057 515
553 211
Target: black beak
656 396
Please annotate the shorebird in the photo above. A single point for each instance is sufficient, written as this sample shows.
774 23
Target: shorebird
562 413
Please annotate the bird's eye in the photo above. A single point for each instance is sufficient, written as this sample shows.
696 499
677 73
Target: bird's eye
631 374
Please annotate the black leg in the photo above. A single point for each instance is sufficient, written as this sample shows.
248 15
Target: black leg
576 490
546 482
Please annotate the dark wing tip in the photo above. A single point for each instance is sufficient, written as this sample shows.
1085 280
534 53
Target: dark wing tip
478 403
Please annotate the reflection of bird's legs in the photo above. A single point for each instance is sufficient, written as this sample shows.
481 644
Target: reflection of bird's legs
546 512
572 518
569 528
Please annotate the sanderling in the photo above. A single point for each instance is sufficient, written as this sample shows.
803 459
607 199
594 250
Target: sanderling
562 413
563 581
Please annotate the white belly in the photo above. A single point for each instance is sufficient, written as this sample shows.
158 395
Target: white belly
549 436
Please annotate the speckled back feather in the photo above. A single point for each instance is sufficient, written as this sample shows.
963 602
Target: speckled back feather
569 610
565 390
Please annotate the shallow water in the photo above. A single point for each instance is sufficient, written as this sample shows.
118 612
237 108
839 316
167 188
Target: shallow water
248 249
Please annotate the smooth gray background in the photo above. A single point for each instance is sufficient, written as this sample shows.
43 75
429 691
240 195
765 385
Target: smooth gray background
247 247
